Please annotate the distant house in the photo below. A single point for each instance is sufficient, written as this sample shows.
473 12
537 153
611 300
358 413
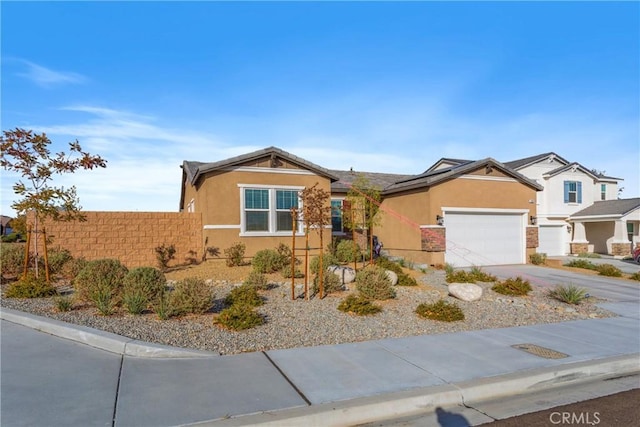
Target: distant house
5 225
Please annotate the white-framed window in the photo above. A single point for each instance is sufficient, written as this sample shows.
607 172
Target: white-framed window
191 207
573 192
603 191
266 210
337 225
630 231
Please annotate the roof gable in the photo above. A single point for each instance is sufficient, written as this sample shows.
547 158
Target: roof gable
445 163
619 207
528 161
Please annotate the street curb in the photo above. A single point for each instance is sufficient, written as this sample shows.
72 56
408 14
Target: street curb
99 339
418 401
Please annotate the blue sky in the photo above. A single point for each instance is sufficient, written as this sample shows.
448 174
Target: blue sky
386 87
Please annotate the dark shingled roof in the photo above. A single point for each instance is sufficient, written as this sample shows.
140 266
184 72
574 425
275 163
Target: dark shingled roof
618 207
379 180
517 164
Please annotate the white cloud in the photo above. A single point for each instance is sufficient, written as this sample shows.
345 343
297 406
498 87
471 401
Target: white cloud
46 77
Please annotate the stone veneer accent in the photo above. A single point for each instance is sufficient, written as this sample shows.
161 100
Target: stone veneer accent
434 239
579 248
620 249
532 237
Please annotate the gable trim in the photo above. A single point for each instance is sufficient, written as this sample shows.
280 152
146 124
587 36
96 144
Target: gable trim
489 178
268 170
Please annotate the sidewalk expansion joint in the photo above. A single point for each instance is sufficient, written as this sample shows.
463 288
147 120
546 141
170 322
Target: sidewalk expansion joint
115 403
307 401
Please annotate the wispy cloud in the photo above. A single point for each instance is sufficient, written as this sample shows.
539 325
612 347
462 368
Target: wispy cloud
46 77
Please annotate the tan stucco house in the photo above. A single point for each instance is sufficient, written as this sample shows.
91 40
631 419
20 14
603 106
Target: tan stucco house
476 213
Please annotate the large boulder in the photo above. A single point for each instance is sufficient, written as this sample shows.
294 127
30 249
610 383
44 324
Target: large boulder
465 291
393 277
346 274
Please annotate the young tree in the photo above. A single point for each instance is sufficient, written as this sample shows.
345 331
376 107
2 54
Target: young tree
364 201
28 154
316 212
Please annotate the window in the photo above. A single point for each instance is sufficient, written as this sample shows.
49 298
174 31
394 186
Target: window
603 191
336 216
268 210
572 192
630 230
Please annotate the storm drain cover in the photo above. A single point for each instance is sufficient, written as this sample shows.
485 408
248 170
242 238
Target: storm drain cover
536 350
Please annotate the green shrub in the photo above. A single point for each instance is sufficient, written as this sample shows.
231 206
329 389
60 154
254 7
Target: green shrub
31 287
373 283
101 282
581 263
570 294
268 261
142 286
403 278
285 253
257 280
515 287
327 260
347 251
235 254
608 270
286 272
164 254
239 317
448 268
635 276
441 310
64 303
358 305
330 283
244 295
481 276
162 305
57 259
11 238
538 258
12 259
72 268
474 275
191 296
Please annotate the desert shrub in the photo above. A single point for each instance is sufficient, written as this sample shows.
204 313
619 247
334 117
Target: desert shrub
448 268
570 294
359 305
63 303
581 263
72 268
480 276
257 280
31 287
327 260
285 253
330 283
239 317
244 295
235 254
268 261
608 270
12 259
142 286
286 272
589 255
441 310
162 305
101 282
191 296
403 278
11 238
538 258
164 254
57 259
347 251
515 287
474 275
635 276
372 282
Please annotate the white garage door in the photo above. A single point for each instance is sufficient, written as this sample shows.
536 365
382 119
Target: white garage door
475 238
551 239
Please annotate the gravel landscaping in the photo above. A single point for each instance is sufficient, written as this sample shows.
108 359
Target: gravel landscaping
302 323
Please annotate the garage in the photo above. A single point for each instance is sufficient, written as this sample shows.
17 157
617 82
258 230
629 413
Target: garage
551 240
485 238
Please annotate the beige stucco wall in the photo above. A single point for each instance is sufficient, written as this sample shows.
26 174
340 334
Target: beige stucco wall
600 234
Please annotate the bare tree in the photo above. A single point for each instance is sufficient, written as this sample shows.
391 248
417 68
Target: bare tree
316 211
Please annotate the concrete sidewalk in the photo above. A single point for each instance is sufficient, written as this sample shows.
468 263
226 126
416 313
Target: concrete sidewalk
94 378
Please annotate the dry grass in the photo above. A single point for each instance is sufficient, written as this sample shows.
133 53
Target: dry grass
216 269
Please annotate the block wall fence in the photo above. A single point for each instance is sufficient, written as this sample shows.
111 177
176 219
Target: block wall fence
130 237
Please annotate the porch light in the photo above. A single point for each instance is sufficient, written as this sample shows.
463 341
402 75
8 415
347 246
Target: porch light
533 220
440 219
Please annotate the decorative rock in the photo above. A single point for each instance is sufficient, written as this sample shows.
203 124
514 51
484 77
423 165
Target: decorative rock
465 291
393 277
346 274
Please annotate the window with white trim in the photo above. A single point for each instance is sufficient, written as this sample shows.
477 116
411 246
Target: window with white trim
630 231
336 216
603 191
268 210
573 192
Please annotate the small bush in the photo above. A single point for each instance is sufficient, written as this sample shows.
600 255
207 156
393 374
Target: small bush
135 302
448 268
285 253
162 305
12 259
481 276
327 260
31 287
72 268
441 310
589 255
257 280
148 280
358 305
191 296
635 276
11 238
101 282
538 258
608 270
474 275
57 260
515 287
64 304
330 283
570 294
347 251
239 317
403 278
373 283
164 255
235 254
244 295
286 272
268 261
581 263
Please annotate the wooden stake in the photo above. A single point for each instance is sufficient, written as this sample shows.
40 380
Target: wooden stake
46 256
294 216
26 253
